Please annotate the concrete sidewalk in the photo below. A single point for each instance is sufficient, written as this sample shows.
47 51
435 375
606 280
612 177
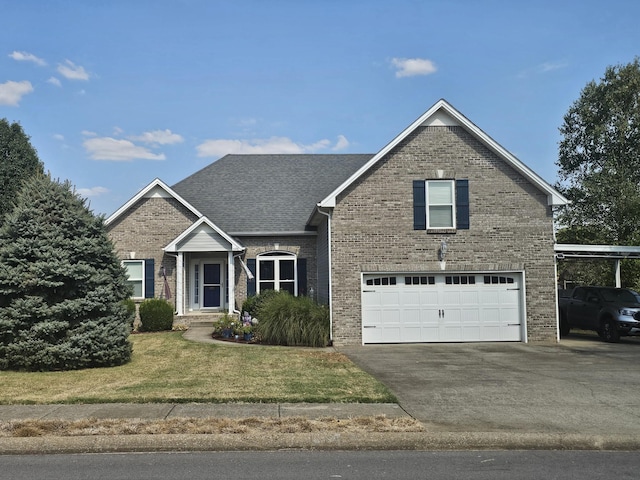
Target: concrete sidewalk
164 411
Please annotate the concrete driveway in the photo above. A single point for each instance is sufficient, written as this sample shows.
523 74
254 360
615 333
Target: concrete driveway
580 386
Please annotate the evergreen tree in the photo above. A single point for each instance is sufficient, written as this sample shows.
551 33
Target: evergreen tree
61 284
18 162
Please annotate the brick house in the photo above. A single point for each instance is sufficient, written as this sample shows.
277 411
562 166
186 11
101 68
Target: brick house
442 236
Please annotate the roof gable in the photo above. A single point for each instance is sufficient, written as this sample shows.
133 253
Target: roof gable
156 189
443 114
204 236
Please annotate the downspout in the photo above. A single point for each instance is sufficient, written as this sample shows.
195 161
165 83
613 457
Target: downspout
328 215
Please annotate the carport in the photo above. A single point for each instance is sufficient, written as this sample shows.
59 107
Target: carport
614 252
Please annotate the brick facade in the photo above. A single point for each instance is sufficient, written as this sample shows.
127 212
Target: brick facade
511 226
149 226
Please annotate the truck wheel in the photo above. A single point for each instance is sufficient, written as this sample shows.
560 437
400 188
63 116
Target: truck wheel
609 331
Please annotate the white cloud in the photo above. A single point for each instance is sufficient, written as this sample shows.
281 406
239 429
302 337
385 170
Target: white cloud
54 81
220 147
27 57
87 133
71 71
411 67
107 148
341 144
117 131
550 66
12 92
158 137
542 69
92 192
58 136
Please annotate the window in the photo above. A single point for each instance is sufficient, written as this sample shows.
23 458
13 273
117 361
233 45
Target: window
493 280
381 281
277 271
422 280
460 280
140 275
440 207
440 204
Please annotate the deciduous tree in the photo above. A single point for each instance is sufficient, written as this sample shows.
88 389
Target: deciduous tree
599 161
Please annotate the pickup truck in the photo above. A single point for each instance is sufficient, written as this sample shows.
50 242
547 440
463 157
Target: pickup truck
612 312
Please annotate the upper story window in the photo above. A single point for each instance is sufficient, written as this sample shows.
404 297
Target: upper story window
440 204
441 210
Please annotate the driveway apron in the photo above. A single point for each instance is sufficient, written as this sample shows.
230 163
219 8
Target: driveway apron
581 385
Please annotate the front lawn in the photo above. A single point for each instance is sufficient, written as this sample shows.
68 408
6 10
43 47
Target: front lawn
167 368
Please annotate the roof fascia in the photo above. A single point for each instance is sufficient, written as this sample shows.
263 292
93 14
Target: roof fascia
553 196
142 193
235 246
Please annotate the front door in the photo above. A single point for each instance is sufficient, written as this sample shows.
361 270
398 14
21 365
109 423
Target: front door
211 285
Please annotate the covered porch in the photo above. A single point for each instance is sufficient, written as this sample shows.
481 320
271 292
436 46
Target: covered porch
205 269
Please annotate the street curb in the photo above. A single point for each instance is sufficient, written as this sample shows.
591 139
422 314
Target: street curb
315 441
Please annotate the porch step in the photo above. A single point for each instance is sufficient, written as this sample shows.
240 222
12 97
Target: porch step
199 319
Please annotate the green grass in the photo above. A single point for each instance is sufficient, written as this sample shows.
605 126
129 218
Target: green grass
167 368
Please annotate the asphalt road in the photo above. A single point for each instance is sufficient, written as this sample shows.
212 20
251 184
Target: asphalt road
316 465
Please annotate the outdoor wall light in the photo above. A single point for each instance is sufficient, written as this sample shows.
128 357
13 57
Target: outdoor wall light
442 251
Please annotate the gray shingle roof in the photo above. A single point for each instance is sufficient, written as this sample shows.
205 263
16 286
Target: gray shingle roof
266 193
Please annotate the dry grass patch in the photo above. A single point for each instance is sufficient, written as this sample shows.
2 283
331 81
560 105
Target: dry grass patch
248 426
167 368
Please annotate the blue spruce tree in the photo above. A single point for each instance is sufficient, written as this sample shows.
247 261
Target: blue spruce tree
61 285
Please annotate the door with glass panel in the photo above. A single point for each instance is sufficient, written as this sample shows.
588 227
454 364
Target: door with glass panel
207 285
211 285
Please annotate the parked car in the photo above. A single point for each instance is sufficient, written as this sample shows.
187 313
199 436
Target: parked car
612 312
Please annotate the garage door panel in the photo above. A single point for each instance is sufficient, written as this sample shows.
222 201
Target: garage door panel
429 297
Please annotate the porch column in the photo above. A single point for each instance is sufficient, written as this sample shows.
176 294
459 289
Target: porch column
618 278
231 281
180 283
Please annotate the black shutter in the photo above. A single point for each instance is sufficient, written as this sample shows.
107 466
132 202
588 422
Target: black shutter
251 282
419 205
462 204
302 277
149 278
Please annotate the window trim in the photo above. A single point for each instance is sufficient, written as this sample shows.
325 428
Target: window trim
451 204
141 279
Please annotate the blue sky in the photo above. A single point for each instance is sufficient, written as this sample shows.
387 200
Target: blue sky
114 94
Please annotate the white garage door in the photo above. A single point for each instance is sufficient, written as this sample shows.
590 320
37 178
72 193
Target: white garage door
474 307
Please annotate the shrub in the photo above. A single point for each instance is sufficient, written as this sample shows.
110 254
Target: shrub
225 322
253 303
296 321
156 314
